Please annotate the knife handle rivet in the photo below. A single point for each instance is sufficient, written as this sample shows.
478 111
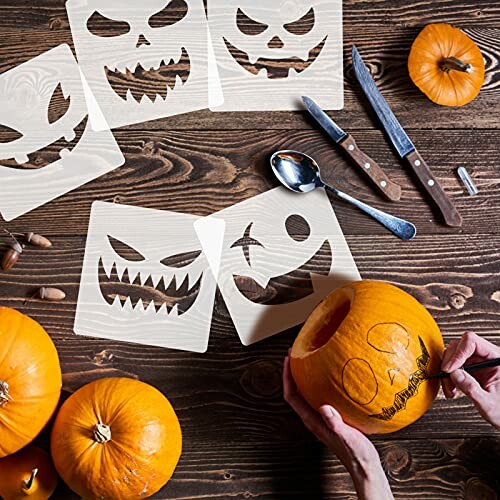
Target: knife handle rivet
383 184
418 163
350 147
367 166
430 182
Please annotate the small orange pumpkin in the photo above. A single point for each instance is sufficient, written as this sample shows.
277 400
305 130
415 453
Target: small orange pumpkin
30 380
27 473
116 438
366 350
446 65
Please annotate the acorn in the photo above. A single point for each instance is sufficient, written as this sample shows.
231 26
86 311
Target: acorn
50 294
11 255
38 240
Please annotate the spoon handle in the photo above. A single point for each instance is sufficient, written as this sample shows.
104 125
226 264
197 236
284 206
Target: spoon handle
404 229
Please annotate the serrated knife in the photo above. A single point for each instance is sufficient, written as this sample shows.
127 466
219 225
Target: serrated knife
348 144
402 143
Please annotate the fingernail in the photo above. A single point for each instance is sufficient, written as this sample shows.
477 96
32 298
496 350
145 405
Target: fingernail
327 411
459 376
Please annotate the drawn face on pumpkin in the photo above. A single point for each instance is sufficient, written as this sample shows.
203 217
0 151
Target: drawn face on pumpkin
277 48
142 60
406 363
46 147
145 278
278 260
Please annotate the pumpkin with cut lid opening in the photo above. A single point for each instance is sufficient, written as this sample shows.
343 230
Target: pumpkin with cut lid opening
116 438
27 474
446 65
367 350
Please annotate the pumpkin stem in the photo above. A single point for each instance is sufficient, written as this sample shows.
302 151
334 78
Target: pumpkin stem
4 393
102 433
28 483
452 63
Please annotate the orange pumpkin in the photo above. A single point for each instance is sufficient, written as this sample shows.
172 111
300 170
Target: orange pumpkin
446 65
116 438
30 380
366 350
27 473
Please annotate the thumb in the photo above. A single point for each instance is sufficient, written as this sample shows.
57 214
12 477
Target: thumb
470 387
331 417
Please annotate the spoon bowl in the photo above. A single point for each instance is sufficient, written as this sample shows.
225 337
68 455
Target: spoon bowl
296 171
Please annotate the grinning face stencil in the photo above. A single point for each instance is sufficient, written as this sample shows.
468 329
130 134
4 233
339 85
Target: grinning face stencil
145 278
47 147
270 52
143 60
281 255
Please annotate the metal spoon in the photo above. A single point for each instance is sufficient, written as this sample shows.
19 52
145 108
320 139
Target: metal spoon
300 173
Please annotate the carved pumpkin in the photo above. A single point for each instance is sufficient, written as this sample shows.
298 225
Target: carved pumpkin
30 380
366 350
116 438
27 473
446 65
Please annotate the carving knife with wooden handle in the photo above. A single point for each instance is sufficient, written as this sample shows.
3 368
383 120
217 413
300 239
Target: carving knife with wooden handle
402 143
348 144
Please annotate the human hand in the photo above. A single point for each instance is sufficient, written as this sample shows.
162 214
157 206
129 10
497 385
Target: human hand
481 387
351 446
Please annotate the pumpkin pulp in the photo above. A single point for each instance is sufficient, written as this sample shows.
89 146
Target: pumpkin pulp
4 393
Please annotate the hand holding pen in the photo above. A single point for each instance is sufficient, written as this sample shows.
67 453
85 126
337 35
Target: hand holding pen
481 386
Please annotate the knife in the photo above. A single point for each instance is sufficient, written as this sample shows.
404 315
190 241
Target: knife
402 142
346 141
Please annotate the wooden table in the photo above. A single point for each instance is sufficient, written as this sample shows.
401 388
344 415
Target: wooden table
240 439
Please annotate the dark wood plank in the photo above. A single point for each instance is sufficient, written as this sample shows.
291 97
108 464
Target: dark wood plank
202 172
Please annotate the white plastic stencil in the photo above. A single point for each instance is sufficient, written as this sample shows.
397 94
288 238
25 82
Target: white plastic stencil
145 278
282 253
143 60
48 147
271 52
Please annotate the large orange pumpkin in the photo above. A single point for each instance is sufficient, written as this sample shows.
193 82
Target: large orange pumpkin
30 380
27 475
446 65
366 350
116 438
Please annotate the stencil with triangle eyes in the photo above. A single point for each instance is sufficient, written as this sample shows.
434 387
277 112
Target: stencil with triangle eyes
47 147
269 53
145 278
281 255
143 61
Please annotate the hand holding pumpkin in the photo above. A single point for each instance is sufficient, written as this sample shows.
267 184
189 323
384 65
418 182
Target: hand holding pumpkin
351 446
481 387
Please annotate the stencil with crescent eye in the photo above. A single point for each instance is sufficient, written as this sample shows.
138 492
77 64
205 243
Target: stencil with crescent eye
281 253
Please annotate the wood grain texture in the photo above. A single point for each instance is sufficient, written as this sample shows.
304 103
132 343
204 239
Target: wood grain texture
240 439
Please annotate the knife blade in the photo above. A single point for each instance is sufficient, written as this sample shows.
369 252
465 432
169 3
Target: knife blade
348 144
402 143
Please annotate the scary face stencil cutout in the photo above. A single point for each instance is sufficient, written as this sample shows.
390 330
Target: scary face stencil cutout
269 53
281 255
143 60
47 147
145 278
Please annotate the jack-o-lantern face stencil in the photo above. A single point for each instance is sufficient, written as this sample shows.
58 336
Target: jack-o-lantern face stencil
269 53
145 278
143 60
281 255
47 147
